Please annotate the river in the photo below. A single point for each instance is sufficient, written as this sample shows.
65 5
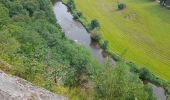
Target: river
76 32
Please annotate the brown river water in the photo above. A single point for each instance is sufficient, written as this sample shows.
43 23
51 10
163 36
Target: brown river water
76 32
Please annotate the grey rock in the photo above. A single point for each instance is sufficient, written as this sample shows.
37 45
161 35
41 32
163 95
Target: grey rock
15 88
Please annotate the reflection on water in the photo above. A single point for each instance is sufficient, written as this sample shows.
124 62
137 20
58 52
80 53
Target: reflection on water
75 30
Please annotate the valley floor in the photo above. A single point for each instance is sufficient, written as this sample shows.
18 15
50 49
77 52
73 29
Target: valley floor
141 31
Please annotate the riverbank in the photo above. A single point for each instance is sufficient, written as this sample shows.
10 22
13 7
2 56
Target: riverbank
136 30
153 79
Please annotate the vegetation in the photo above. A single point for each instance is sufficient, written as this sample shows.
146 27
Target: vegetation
144 74
107 84
32 46
95 35
105 45
165 3
94 24
135 30
121 6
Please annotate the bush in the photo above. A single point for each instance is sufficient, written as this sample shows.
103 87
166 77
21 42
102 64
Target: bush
133 67
145 74
71 4
114 83
77 15
95 24
121 6
95 36
105 45
80 14
168 90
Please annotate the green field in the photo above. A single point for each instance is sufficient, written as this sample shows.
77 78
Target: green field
142 30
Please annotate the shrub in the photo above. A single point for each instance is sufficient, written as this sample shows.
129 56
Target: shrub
145 74
105 45
95 24
71 4
80 14
95 35
168 90
121 6
133 67
115 84
75 17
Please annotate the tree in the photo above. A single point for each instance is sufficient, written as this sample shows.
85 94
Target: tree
71 4
121 6
168 98
105 45
4 17
95 24
116 84
95 35
145 74
8 44
162 2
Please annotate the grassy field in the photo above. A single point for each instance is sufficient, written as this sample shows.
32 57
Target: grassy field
142 30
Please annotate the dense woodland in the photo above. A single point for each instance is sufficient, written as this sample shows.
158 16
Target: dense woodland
32 46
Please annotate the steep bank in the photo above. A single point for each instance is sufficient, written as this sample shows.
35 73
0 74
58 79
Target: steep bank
34 48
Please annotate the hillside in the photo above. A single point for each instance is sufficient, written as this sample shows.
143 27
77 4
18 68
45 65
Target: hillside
34 47
140 31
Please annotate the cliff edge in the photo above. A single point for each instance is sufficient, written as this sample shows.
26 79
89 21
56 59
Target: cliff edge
15 88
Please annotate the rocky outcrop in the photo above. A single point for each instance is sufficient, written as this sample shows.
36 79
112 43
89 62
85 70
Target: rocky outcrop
15 88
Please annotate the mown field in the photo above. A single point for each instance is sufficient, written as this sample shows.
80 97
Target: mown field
142 30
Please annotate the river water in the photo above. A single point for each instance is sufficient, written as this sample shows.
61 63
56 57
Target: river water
75 31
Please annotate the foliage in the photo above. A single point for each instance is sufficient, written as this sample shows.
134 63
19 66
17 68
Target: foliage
33 44
94 24
145 74
116 84
4 17
71 4
95 35
123 31
105 45
165 3
38 51
121 6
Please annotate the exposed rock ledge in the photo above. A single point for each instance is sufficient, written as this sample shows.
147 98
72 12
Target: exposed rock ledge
15 88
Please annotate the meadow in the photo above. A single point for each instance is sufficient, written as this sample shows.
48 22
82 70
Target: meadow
141 32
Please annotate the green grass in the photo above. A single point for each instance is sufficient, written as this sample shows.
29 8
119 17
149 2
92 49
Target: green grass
142 29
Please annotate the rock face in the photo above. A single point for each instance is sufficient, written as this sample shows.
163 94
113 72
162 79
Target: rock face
15 88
